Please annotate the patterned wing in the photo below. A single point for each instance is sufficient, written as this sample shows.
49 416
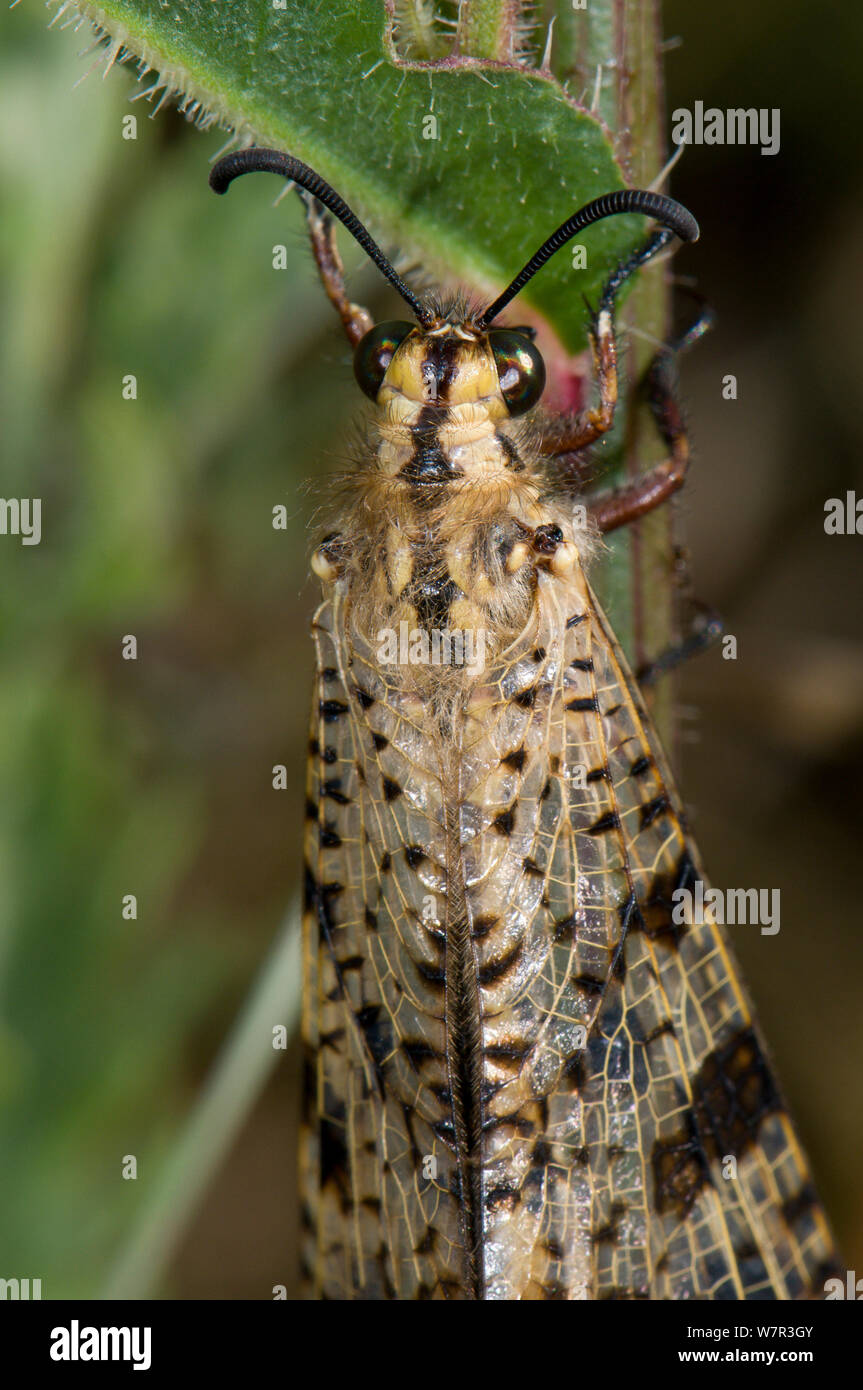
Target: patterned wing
382 1206
635 1141
732 1209
526 1079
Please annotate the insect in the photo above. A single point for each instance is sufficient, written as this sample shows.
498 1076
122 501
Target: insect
525 1077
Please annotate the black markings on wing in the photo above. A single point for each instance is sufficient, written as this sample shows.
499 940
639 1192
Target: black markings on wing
624 1073
625 1133
722 1206
379 1185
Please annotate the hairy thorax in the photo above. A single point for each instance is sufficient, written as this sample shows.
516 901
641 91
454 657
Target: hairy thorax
442 538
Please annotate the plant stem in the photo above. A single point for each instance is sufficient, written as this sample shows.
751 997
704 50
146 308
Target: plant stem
613 50
232 1088
488 29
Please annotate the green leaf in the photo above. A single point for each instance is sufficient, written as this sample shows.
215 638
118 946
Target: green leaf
463 166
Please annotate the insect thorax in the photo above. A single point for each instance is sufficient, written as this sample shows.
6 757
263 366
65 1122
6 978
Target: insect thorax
437 546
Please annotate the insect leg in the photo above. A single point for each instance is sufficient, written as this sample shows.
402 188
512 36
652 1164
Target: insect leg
571 434
356 320
706 628
654 487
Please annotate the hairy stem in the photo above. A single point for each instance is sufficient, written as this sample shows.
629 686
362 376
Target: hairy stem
610 54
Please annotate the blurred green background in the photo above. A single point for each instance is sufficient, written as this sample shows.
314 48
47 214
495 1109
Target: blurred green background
154 777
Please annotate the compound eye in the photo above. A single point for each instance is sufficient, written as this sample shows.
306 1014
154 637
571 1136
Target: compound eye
520 368
374 353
